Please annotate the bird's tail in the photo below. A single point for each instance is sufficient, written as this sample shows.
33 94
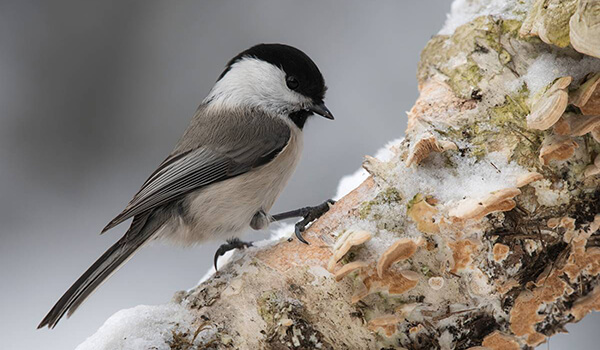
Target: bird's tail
142 229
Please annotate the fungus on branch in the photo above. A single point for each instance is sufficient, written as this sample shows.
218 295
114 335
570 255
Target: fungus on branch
528 178
403 249
387 323
425 145
585 28
587 96
345 243
593 169
551 105
477 208
557 148
580 125
349 268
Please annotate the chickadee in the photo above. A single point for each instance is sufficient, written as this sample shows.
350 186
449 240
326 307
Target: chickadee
227 170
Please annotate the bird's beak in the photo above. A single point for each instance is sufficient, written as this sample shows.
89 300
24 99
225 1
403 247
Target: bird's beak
321 110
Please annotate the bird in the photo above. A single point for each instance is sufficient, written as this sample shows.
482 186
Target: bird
225 173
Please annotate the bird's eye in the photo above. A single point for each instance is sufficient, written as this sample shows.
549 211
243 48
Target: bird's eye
292 82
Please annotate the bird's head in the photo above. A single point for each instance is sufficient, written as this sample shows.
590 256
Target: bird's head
279 79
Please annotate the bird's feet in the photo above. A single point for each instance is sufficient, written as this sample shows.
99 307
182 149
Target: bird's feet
309 215
232 243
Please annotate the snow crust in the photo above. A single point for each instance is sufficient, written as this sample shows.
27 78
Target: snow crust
469 178
140 328
548 67
464 11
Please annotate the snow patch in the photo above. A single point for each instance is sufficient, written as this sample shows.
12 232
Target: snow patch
350 182
142 327
548 196
548 67
471 178
464 11
282 230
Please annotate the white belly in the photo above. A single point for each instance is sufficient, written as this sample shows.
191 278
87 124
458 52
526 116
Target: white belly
225 209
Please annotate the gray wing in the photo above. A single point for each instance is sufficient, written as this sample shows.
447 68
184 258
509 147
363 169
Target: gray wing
185 171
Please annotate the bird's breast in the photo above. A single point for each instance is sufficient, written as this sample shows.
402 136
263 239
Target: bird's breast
225 209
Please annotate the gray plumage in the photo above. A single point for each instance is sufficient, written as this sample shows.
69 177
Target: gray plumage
227 170
174 204
141 230
217 145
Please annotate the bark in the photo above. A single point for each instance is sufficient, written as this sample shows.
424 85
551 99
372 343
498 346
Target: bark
481 230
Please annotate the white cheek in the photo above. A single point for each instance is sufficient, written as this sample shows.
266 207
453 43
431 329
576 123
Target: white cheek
255 83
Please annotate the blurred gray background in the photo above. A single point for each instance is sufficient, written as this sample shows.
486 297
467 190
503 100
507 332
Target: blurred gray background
94 94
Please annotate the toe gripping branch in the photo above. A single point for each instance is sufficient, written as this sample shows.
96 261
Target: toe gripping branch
232 243
309 214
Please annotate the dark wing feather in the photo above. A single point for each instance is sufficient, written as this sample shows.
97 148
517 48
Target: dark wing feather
190 170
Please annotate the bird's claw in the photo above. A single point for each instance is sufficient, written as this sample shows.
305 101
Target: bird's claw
300 227
232 243
311 214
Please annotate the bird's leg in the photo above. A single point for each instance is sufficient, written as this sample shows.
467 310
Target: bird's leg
309 214
260 220
232 243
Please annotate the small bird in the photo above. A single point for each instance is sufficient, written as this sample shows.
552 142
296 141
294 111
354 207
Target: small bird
225 173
